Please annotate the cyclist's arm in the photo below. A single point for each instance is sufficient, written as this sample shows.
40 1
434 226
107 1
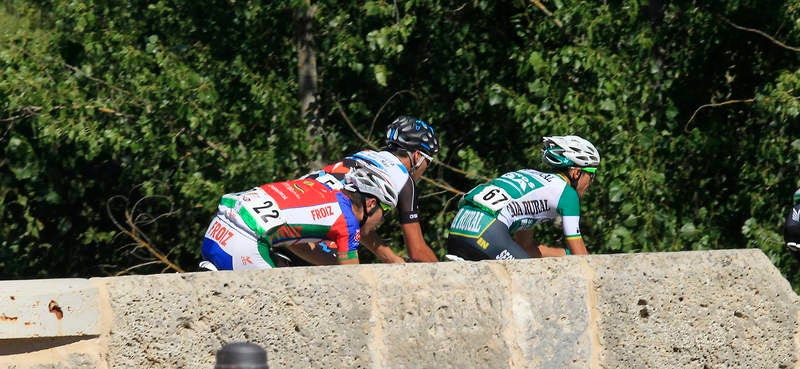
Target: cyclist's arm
576 246
348 261
347 241
525 239
374 243
538 250
418 249
407 207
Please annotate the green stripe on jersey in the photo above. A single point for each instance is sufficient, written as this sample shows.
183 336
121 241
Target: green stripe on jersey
228 201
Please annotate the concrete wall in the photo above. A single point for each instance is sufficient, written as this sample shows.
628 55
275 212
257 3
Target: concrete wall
718 309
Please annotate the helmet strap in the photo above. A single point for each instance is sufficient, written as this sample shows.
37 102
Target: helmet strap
366 215
414 166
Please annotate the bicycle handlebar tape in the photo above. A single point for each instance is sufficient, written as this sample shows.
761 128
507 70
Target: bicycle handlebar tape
241 355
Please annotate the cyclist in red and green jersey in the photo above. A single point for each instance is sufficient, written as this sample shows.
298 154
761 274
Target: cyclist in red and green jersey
249 224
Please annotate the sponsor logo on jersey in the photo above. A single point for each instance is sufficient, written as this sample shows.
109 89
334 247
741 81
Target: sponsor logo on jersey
357 236
469 221
291 189
505 255
287 231
277 190
322 212
219 233
298 188
548 177
530 207
413 216
795 214
482 243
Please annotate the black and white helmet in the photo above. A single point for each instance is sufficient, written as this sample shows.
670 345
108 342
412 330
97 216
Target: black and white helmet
370 180
412 134
569 151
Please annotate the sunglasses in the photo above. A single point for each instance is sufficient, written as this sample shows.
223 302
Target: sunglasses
427 157
386 208
591 172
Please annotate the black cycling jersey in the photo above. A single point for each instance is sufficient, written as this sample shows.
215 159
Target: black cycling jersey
791 231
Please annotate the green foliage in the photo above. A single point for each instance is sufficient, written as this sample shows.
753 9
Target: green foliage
695 114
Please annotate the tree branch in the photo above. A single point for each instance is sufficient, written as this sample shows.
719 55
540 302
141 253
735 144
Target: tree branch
372 145
547 12
714 105
761 33
133 218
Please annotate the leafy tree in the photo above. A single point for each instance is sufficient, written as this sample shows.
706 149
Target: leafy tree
159 108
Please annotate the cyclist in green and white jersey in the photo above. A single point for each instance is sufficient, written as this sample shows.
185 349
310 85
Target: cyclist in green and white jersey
494 219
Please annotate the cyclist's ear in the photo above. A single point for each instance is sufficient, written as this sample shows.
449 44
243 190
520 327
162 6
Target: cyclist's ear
417 156
371 203
575 173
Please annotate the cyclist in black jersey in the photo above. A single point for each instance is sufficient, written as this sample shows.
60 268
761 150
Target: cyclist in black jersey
411 144
791 228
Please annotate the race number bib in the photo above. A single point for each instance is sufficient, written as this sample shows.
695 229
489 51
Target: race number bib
330 181
492 197
263 209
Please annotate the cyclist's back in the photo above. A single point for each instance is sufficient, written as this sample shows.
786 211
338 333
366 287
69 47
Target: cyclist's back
518 200
278 214
248 224
495 219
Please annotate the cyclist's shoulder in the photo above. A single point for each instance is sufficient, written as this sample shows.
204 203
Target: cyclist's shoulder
378 158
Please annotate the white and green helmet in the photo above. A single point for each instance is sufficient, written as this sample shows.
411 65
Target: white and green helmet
569 151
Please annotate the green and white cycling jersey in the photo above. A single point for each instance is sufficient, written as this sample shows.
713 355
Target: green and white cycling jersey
520 200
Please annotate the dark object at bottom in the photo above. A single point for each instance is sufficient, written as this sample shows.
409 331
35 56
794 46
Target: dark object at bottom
241 355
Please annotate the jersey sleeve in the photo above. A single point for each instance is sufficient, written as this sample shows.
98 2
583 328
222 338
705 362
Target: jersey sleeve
347 232
407 203
791 227
569 207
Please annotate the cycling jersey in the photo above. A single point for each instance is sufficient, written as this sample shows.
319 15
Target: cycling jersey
517 200
791 231
400 179
249 223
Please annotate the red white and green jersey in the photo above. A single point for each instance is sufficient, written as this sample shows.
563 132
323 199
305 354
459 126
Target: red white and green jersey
292 212
522 199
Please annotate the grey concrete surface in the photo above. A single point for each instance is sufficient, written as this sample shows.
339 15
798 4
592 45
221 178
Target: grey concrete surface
715 309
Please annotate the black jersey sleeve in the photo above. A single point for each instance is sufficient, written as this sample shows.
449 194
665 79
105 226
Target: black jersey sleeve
407 204
791 227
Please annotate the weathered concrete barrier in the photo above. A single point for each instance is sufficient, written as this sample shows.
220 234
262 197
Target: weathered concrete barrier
717 309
